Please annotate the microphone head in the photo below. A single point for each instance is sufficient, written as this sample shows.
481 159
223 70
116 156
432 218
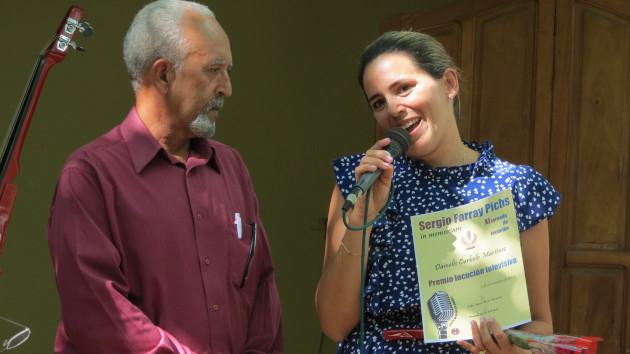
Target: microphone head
440 307
400 139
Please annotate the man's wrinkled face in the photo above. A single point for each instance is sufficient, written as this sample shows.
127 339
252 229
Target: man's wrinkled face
200 88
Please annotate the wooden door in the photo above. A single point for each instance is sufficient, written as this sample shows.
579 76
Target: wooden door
590 147
546 81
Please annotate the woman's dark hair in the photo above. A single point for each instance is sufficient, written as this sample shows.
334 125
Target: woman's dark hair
427 53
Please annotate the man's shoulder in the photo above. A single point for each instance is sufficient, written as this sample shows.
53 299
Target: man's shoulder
224 150
217 145
106 145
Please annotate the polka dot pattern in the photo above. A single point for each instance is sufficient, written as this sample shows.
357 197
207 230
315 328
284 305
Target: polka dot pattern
392 298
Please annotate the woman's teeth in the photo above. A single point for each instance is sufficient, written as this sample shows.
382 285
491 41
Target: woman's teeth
410 123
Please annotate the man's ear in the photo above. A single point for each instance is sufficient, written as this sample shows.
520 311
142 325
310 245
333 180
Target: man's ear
162 75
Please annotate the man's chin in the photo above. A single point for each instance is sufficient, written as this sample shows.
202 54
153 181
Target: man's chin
203 127
208 134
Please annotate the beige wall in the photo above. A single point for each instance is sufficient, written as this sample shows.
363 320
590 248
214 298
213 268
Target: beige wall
296 106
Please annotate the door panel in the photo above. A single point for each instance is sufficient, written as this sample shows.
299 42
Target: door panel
598 128
504 80
590 134
605 288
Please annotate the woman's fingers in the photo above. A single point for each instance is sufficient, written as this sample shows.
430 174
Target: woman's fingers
380 144
376 152
486 336
477 339
468 346
375 158
499 337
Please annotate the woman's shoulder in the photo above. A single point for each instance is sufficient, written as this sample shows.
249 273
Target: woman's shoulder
525 177
345 165
347 161
518 171
343 168
503 167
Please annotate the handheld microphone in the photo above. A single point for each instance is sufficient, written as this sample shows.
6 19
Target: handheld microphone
441 310
398 145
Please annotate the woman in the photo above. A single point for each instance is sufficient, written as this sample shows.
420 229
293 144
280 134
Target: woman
410 81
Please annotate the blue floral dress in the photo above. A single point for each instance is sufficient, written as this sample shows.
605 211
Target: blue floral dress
392 299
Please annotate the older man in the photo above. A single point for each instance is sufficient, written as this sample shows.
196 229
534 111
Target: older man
154 229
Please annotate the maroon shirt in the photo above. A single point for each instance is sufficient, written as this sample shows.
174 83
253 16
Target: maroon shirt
148 257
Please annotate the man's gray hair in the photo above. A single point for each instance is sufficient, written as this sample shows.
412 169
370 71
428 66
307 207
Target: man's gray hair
156 32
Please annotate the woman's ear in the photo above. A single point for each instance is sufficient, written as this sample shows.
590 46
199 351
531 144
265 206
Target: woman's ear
451 82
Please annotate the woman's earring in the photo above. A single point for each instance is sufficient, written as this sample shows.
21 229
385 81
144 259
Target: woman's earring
450 95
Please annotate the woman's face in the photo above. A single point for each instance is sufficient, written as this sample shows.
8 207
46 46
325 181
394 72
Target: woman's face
401 94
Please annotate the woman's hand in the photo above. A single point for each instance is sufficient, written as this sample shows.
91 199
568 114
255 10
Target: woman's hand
489 338
376 158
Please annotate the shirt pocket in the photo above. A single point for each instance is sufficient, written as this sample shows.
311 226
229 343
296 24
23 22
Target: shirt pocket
242 252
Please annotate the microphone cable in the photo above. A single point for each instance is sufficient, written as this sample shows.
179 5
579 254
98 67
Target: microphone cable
364 229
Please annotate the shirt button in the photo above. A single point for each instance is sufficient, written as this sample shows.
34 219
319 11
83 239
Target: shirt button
215 307
207 261
199 216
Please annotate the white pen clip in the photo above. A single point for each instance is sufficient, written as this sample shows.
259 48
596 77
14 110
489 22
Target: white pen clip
239 227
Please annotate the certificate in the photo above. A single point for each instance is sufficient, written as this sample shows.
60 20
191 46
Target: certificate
470 266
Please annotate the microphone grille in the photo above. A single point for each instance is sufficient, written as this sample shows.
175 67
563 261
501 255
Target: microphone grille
401 136
440 307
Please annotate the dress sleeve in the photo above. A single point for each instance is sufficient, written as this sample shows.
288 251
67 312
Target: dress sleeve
344 172
96 315
535 198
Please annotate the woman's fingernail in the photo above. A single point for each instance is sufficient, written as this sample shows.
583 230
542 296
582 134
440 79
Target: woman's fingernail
482 320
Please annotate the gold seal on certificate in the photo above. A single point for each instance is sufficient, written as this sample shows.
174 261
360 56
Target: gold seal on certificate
470 266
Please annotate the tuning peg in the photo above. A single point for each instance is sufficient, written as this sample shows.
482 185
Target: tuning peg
63 42
76 47
86 29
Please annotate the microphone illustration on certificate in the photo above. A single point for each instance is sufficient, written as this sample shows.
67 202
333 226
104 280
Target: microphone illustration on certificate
441 310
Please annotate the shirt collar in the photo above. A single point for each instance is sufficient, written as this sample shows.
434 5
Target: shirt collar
143 147
202 152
